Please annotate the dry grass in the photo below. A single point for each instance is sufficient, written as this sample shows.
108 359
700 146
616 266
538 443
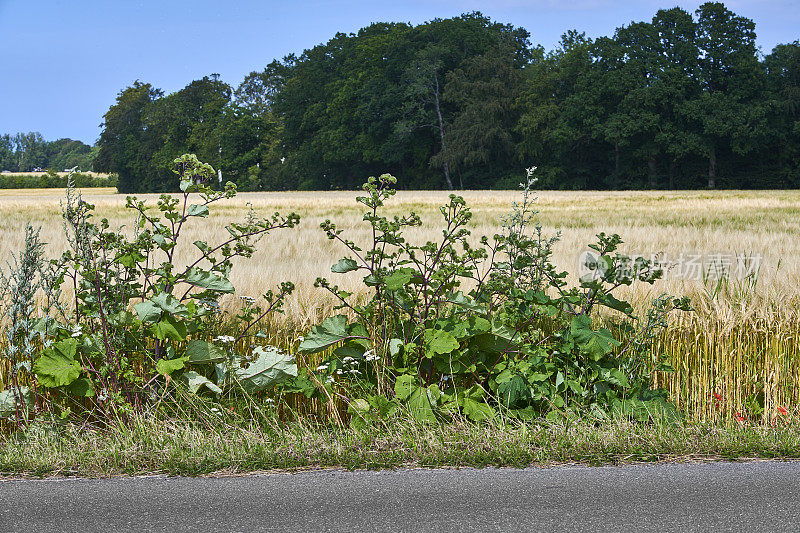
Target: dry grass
742 340
674 223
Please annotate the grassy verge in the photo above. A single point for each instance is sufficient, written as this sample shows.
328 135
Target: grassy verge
181 447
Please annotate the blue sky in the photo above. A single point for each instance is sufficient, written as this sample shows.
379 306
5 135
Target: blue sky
62 62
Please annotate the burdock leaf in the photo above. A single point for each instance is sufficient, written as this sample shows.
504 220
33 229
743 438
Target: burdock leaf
57 366
439 342
344 265
209 281
195 381
202 352
270 368
168 366
8 401
197 211
332 330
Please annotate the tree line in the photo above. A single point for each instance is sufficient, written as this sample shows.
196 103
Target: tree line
685 100
24 152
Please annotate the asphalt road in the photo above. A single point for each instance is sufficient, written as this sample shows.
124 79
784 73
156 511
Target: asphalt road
757 496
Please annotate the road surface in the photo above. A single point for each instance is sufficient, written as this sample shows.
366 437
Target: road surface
752 496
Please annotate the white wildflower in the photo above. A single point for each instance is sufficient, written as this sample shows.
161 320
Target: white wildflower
77 330
224 339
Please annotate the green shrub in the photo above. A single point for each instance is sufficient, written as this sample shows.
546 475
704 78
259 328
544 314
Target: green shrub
137 319
518 341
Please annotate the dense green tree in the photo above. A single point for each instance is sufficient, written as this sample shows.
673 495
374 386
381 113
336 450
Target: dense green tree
783 78
189 120
552 125
682 100
66 153
123 140
30 150
8 161
677 83
727 111
480 137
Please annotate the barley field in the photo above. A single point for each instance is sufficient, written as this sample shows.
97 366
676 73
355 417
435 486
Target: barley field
738 352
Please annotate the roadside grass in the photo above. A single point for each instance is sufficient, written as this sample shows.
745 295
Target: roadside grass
175 446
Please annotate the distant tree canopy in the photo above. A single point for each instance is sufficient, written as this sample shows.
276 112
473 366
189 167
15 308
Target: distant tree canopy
25 151
682 101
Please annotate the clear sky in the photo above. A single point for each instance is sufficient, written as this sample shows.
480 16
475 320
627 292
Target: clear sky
62 62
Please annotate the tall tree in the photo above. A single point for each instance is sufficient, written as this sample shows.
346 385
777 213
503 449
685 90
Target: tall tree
7 159
30 150
727 110
122 141
483 93
424 102
783 77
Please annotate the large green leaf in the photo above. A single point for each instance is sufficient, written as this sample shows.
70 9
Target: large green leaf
8 401
350 349
400 278
147 311
514 393
467 302
439 342
196 210
57 366
420 404
202 352
597 343
321 336
195 381
344 265
168 366
403 386
464 327
270 368
331 331
395 346
501 339
209 281
477 410
81 387
150 310
169 329
618 305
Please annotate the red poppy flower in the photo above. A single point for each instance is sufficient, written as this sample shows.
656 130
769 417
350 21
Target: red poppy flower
739 417
718 396
782 411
